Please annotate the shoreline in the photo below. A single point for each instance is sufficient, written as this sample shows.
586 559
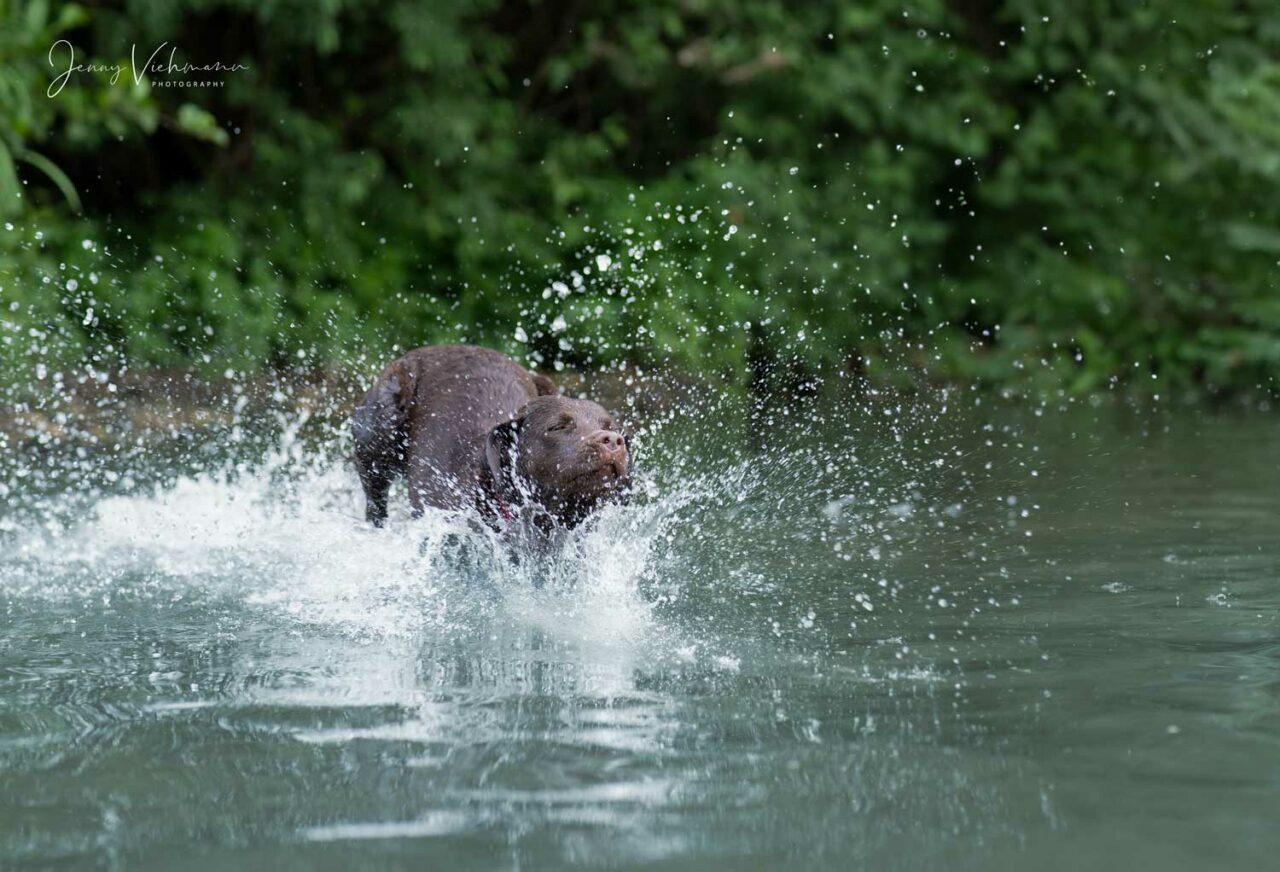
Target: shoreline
148 406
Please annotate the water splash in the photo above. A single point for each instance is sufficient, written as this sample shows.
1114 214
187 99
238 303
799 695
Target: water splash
283 530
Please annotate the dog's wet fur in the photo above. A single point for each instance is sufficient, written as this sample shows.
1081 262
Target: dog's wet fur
471 427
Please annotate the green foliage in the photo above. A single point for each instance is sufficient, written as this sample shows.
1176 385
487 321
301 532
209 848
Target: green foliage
986 189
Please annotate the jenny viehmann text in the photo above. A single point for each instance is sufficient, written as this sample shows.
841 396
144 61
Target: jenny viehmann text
171 67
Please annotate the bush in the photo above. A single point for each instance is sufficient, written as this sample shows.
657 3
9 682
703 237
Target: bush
968 189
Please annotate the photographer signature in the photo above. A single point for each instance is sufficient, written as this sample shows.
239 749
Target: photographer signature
172 66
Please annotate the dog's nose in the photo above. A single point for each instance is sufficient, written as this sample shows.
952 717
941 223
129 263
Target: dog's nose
612 448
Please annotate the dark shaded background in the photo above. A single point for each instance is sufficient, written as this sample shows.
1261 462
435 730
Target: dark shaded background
1063 193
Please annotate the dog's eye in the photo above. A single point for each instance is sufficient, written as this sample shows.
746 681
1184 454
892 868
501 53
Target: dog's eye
562 424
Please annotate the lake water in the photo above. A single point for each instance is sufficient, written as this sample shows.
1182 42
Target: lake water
954 634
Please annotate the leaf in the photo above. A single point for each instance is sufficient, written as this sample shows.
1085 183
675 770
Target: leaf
10 189
197 123
57 176
70 16
1246 236
37 15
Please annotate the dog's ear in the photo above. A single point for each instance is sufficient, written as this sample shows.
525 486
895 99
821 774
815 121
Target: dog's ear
545 386
497 472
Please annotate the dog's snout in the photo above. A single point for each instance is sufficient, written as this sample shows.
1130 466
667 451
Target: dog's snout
611 446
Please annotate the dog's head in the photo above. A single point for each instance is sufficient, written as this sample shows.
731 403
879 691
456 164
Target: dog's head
566 455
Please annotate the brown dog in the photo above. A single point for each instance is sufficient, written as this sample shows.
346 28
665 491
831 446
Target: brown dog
469 426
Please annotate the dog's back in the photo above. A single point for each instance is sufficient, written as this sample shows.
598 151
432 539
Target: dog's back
424 417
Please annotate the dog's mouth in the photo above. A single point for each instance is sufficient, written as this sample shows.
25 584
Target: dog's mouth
610 474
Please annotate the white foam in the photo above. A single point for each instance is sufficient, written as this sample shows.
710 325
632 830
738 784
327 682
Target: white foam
434 824
288 535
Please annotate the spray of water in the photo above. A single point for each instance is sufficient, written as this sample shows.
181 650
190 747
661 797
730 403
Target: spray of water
715 520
